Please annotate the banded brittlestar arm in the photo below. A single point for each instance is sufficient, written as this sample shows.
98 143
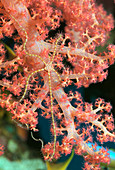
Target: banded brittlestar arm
27 82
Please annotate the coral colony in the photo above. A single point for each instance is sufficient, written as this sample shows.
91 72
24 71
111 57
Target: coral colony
44 65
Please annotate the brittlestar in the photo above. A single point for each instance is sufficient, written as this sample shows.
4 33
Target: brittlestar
49 68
